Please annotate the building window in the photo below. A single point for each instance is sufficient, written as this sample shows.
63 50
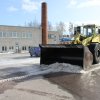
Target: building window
23 35
4 34
51 36
11 48
0 34
14 34
26 35
29 35
10 34
4 48
19 35
24 48
29 47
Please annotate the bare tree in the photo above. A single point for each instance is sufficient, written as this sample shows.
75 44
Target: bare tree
61 27
71 27
33 24
30 24
50 27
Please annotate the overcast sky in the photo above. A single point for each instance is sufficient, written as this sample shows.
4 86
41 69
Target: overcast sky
17 12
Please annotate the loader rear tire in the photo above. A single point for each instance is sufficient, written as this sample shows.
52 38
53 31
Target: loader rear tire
95 50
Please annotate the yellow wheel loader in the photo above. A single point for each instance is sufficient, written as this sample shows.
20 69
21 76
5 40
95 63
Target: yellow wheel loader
83 51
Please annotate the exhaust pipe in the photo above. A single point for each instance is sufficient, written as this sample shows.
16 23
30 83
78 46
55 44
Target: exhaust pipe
44 24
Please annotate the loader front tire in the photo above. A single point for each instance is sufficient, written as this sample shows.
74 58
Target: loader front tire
95 50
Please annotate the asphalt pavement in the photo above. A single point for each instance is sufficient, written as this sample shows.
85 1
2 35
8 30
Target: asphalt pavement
53 86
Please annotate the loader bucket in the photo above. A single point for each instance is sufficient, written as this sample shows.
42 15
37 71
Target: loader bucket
69 53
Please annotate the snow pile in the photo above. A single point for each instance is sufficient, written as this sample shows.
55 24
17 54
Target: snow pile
62 67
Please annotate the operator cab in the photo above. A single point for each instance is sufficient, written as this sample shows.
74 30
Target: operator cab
87 30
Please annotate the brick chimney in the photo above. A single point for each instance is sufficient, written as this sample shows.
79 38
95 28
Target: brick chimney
44 24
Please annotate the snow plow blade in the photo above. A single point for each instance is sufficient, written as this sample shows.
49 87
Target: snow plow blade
74 54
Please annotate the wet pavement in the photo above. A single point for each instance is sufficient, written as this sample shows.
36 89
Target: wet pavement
84 86
81 86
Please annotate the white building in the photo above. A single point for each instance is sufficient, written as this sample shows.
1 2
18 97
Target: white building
18 38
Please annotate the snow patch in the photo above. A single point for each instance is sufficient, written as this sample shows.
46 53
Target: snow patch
47 69
7 53
62 67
